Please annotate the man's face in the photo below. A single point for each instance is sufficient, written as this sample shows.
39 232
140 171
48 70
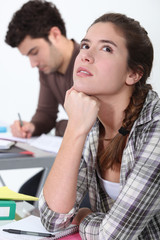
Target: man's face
42 54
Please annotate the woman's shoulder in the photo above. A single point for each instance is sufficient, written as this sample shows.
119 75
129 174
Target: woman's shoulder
151 108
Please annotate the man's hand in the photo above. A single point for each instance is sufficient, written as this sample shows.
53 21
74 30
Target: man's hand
25 131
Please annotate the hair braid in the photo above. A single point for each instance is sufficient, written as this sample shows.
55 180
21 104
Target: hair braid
112 155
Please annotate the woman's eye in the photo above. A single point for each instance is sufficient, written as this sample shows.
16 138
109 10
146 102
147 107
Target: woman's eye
84 46
107 49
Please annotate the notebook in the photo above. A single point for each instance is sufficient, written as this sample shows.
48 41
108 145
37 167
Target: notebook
33 223
71 233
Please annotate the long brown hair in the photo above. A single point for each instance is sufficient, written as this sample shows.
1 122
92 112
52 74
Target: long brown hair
140 58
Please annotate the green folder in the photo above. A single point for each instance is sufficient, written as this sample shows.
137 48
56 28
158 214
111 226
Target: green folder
7 210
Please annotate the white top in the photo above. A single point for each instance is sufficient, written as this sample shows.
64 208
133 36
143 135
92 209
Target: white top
111 188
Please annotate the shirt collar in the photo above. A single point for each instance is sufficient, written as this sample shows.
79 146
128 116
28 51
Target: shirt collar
146 114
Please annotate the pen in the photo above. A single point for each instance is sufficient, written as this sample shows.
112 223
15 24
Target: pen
28 233
20 120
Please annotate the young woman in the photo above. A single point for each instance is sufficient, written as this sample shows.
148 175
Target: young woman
111 146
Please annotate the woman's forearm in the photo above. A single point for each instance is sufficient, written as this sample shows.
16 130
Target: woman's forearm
61 184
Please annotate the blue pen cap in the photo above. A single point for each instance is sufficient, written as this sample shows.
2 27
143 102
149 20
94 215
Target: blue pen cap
3 129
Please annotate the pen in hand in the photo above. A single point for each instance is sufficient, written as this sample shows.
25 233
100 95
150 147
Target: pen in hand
28 233
20 120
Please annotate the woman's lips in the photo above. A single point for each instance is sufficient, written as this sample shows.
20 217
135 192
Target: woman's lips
83 72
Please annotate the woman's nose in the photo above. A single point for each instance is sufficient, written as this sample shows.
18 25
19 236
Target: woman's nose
87 57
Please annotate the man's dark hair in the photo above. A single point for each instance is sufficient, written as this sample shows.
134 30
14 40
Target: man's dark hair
35 19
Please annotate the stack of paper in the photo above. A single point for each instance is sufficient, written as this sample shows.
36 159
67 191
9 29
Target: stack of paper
44 142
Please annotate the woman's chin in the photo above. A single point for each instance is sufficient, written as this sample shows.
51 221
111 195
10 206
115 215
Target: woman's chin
80 88
77 87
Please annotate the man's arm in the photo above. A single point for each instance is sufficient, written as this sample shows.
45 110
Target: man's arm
45 116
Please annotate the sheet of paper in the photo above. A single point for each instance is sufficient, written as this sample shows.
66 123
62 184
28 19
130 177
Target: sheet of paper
7 194
8 136
31 223
47 142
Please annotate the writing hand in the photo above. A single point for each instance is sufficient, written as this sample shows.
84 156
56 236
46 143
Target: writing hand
25 131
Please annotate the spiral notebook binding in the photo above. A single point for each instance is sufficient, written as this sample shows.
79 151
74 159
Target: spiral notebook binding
68 231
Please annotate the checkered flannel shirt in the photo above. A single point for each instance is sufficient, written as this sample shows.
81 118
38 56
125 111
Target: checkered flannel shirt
135 214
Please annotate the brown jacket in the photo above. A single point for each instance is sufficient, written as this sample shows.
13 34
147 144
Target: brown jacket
52 93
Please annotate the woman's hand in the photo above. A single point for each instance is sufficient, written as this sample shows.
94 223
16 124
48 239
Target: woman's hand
82 110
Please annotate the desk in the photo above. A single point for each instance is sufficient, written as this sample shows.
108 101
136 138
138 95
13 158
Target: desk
41 159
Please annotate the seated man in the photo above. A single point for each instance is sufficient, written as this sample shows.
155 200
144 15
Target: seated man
38 31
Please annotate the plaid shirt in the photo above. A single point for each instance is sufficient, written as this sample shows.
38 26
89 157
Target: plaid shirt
136 212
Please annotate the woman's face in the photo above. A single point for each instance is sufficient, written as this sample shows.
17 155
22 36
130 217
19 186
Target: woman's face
101 66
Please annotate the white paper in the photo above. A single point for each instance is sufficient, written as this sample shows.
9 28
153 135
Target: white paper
5 144
31 223
8 136
47 143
